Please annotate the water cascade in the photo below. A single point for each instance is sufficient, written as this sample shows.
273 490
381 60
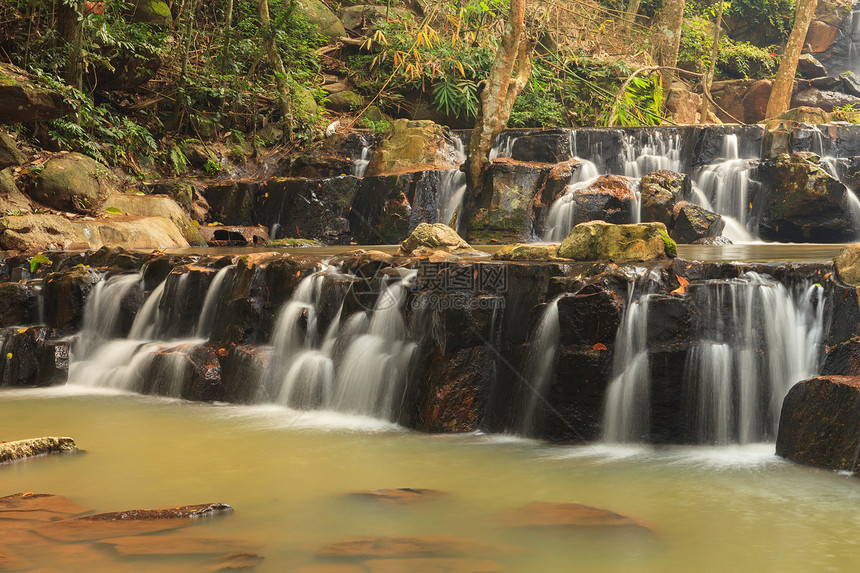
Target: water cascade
654 151
213 304
562 213
829 161
539 362
853 63
359 166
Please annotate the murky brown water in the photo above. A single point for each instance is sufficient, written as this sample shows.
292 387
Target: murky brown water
287 475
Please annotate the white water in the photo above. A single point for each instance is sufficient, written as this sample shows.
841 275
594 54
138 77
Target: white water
213 304
452 189
102 313
359 166
539 363
723 188
854 45
658 151
503 146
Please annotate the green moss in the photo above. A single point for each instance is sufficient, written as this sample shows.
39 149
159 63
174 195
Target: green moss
671 246
160 8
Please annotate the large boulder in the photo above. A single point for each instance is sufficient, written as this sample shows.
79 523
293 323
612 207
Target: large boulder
74 182
430 238
693 223
506 209
819 421
804 114
414 146
600 241
345 101
10 155
659 191
324 19
11 198
847 265
824 99
609 198
22 99
521 252
154 12
156 206
741 100
821 36
683 105
808 67
801 202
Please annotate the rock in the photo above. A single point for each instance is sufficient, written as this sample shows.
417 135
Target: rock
399 495
38 507
129 70
850 84
345 101
145 545
303 98
22 99
693 223
18 304
10 156
609 198
826 100
847 265
152 12
659 191
522 252
429 238
11 199
30 357
132 522
158 206
823 83
74 182
14 451
801 202
31 233
777 137
65 294
819 421
600 241
433 566
820 36
413 146
546 514
358 17
235 236
683 105
804 114
808 67
292 242
324 19
713 241
371 546
373 115
744 100
506 211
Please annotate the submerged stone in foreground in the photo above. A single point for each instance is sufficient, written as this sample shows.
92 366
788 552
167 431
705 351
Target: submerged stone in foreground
13 451
599 241
820 423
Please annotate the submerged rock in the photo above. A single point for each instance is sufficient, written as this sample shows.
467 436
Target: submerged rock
546 514
14 451
429 238
399 495
819 422
524 252
437 565
599 241
371 546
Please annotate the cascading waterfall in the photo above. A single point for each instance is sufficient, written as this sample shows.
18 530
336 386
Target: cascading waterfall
102 313
539 364
452 189
757 339
562 213
359 166
658 151
213 304
503 146
829 161
854 45
722 187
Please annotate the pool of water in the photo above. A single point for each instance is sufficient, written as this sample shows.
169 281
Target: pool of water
288 476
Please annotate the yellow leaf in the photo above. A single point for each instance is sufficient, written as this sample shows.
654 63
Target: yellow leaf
9 356
22 330
460 67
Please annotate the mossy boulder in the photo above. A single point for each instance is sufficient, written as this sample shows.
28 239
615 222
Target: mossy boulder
848 265
345 101
410 146
524 252
600 241
304 103
324 19
291 242
153 12
74 182
11 198
507 208
693 223
805 114
430 238
22 98
10 155
660 191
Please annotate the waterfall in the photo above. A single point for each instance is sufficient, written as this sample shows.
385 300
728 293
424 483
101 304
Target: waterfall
658 151
756 340
503 146
102 313
213 303
452 189
539 362
359 166
562 213
853 63
723 187
829 162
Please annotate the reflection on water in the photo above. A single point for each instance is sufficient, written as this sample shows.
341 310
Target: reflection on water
287 475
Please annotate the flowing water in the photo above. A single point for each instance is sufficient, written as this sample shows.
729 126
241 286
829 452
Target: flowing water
288 476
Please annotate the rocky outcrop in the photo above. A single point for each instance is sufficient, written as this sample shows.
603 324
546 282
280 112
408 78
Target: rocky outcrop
599 241
801 202
74 182
823 99
12 200
741 100
156 206
414 146
32 357
659 192
508 205
10 155
428 239
23 99
820 423
693 223
21 449
318 14
808 67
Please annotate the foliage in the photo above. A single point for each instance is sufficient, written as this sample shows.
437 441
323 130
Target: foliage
734 59
37 260
642 102
849 113
374 126
770 15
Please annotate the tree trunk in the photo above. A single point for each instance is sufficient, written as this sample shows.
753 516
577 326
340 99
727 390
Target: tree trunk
632 10
228 35
70 28
668 41
709 75
175 120
278 64
783 84
500 90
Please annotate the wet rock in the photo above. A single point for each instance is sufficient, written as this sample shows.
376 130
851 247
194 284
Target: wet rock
18 304
236 236
74 182
240 373
414 146
371 546
65 294
429 238
826 100
545 146
318 14
599 241
847 264
819 421
234 562
591 316
659 191
505 210
850 84
843 358
522 252
383 208
188 371
174 545
577 392
21 449
29 357
456 385
801 202
332 156
233 203
399 495
433 566
808 67
610 199
805 114
693 223
777 138
306 208
23 99
712 241
10 156
575 515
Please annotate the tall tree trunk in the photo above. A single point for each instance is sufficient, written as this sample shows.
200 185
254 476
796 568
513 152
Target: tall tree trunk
709 75
783 84
669 22
70 27
500 90
228 35
278 64
632 10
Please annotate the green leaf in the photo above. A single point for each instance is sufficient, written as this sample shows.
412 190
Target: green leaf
113 211
38 260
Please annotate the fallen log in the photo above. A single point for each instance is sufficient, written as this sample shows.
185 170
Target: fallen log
21 449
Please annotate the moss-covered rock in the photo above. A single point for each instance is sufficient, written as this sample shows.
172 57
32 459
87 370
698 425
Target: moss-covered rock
345 101
506 211
291 242
10 155
660 191
413 146
848 265
153 12
432 238
74 182
13 451
524 252
599 241
22 98
324 19
304 104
